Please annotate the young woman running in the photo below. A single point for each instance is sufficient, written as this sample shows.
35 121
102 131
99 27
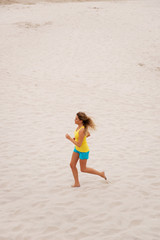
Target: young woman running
81 150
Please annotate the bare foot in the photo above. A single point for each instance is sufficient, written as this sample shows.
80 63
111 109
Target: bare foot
104 176
76 185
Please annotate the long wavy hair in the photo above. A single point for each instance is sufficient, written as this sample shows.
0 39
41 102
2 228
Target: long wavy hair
87 121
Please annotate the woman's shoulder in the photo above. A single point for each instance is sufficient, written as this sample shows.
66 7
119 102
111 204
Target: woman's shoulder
82 130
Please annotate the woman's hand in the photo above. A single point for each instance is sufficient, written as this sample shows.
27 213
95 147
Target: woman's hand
81 136
68 136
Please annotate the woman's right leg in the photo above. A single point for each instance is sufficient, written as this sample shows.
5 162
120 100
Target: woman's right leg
84 168
73 163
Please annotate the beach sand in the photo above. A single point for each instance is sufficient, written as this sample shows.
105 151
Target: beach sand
58 59
27 2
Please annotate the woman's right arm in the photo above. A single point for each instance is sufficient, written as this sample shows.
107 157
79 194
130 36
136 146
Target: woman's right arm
88 134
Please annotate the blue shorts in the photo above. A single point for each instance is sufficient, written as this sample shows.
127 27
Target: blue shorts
82 155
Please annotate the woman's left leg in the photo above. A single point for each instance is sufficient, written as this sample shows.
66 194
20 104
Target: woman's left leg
84 168
73 163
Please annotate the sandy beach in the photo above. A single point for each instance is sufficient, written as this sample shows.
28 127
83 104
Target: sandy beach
28 2
56 59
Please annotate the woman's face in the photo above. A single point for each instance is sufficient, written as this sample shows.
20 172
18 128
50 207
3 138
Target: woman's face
77 120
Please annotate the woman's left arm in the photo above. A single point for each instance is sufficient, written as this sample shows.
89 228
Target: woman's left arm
80 140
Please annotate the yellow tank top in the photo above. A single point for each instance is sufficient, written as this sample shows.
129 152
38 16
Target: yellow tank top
84 147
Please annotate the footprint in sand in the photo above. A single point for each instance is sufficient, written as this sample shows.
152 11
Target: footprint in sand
31 25
157 69
135 222
141 64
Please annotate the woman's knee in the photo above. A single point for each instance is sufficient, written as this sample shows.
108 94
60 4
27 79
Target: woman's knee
83 169
72 166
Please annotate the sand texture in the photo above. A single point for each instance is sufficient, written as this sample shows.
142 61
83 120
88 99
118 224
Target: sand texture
56 59
28 2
